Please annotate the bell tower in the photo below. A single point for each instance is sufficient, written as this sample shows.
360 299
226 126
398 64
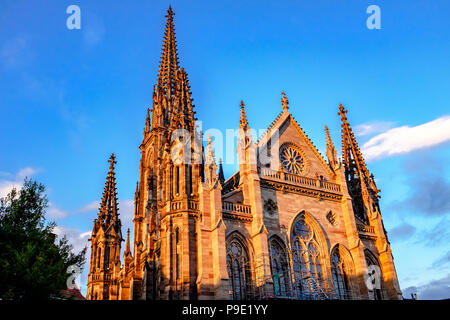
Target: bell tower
106 240
166 200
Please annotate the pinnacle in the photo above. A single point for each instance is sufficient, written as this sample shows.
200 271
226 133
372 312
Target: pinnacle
243 121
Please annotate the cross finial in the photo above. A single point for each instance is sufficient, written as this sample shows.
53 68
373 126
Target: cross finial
112 161
284 101
342 110
170 11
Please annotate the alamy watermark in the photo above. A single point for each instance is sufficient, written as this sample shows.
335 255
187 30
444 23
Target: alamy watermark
74 279
74 20
374 20
373 278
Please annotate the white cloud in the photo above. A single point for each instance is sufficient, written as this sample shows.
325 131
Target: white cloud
55 213
85 234
371 128
7 184
94 205
406 139
77 238
26 172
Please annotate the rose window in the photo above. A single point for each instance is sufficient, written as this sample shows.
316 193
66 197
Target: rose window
292 160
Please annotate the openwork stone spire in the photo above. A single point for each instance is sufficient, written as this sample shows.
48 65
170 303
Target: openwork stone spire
169 57
109 211
331 151
172 102
350 149
359 181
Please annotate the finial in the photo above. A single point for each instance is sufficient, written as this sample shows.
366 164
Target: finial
284 101
342 110
112 161
170 11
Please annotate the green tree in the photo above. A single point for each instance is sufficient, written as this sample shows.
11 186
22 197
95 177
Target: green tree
32 264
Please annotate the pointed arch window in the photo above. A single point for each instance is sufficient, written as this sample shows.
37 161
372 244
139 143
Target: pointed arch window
177 180
107 249
238 270
307 260
340 271
371 261
99 257
279 265
177 254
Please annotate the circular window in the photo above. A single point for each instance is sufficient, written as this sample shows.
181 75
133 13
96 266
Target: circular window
292 160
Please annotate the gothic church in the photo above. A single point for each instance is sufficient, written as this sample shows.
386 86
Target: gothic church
307 228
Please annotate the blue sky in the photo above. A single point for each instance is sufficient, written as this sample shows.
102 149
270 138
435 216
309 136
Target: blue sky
69 98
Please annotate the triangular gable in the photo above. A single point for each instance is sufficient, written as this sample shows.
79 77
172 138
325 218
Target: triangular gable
280 123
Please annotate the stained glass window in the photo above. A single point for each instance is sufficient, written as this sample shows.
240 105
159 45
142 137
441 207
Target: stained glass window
307 260
291 160
238 270
280 269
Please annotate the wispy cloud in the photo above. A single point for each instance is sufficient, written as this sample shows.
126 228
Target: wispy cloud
402 232
436 236
94 205
55 213
77 238
372 127
14 51
442 261
94 31
10 181
406 139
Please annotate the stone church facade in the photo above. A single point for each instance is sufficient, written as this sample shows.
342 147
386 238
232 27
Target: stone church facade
297 226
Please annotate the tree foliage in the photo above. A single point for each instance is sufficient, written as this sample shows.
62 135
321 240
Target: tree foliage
32 264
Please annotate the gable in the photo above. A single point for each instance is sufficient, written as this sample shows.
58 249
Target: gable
292 137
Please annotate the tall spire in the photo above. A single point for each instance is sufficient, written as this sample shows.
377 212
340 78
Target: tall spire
169 57
331 151
109 211
359 180
243 122
350 149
